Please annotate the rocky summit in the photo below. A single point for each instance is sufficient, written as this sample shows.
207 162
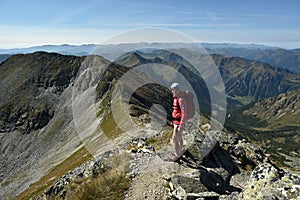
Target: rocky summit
233 169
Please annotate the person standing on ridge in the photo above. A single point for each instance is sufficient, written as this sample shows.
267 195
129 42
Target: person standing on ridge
179 119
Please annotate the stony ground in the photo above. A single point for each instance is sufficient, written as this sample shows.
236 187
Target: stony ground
219 176
147 185
147 177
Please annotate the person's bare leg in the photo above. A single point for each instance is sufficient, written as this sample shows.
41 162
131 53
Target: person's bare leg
179 144
174 138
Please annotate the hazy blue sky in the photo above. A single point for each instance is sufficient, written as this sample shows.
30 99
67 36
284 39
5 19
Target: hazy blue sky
29 22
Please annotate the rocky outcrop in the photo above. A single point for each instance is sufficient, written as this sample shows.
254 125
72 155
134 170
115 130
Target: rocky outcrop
26 119
269 182
233 169
89 169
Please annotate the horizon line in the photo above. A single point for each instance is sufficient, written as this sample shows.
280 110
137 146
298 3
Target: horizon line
141 42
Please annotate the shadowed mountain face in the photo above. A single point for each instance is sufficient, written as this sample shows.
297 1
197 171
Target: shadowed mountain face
141 100
30 86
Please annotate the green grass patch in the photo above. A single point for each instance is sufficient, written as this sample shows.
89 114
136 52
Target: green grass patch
100 112
110 127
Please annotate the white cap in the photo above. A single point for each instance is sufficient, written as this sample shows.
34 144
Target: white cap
175 85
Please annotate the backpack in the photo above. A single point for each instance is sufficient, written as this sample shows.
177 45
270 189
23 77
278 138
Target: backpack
190 106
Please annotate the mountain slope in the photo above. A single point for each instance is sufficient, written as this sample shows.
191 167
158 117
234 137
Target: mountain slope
274 123
281 110
248 81
37 131
30 86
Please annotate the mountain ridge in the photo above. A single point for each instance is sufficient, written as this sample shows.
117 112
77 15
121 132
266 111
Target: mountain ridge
89 47
245 80
254 79
283 107
275 56
41 72
288 59
57 140
36 117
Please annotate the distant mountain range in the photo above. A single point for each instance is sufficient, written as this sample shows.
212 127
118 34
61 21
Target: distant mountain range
62 49
276 57
288 59
88 48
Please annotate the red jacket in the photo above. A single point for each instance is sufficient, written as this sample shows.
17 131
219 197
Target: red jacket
178 113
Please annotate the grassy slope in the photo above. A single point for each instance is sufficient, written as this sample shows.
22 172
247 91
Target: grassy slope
79 157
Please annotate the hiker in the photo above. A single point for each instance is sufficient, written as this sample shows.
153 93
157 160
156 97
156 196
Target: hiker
179 119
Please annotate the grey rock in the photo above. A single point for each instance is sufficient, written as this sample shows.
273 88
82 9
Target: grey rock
268 182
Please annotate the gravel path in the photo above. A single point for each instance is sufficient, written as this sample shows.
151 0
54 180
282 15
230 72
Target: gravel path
147 177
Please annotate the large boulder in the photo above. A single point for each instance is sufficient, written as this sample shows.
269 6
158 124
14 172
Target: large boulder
269 182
